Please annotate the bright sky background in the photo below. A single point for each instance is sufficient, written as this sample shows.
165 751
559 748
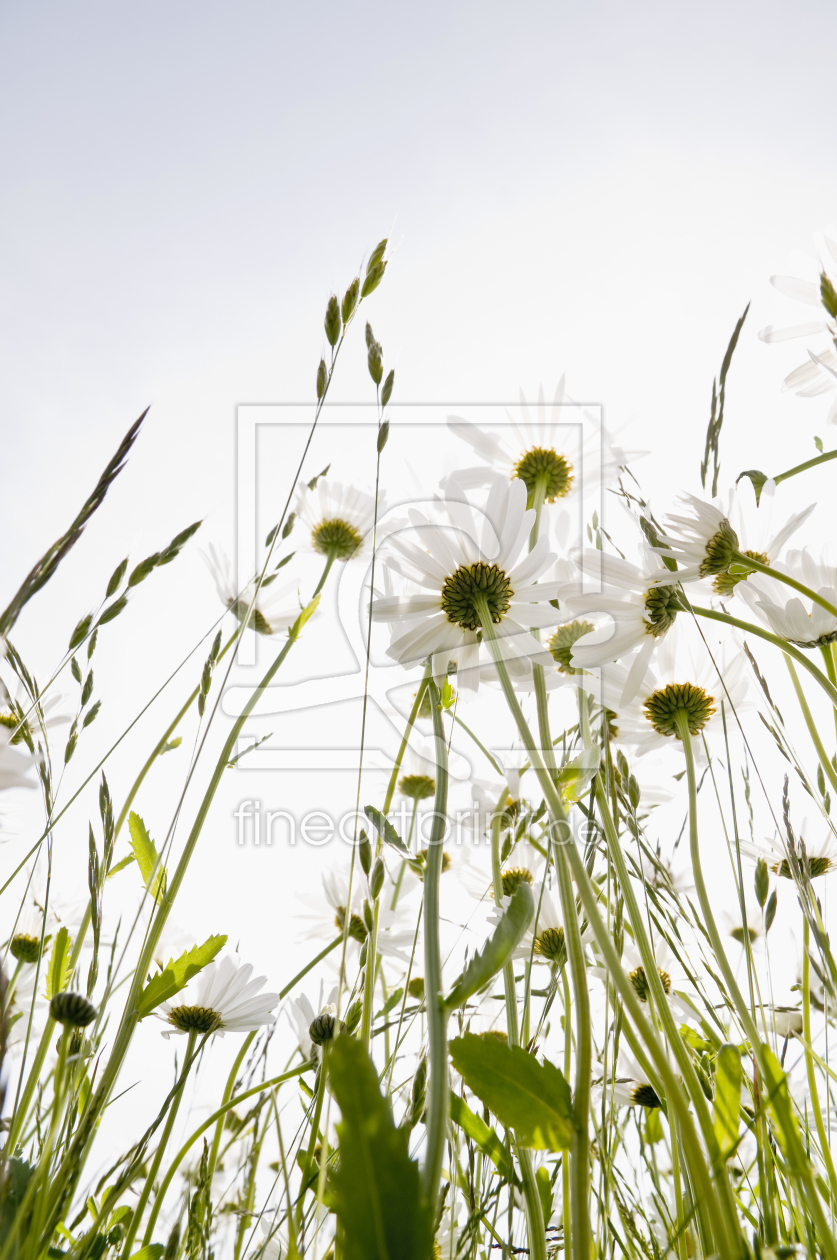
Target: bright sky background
597 190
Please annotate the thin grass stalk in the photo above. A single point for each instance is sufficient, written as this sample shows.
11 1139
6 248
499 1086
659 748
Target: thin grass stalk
438 1091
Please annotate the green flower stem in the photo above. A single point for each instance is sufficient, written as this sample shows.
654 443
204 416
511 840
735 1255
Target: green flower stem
495 765
163 740
227 1095
438 1091
535 1224
73 1165
827 651
566 1194
330 558
756 565
809 1061
365 1034
580 1151
788 648
798 1154
28 1092
174 1107
273 1083
809 463
825 762
315 1131
411 721
718 1214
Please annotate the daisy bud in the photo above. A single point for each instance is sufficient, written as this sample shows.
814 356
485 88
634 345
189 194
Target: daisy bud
73 1010
350 300
325 1028
353 1015
418 1095
332 321
322 379
365 853
762 882
376 879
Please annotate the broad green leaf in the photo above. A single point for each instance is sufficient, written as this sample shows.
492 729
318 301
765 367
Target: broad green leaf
376 1191
17 1175
306 614
177 973
152 1252
530 1097
497 949
385 830
544 1193
480 1133
148 859
727 1098
653 1127
59 973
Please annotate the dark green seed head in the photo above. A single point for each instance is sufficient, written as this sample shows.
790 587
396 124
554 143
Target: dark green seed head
200 1019
25 948
469 586
662 606
645 1096
561 645
725 583
357 928
547 470
514 877
325 1028
720 550
417 787
550 944
73 1010
336 538
642 988
662 707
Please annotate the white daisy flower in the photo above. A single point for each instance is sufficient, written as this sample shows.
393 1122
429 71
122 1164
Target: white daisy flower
783 1020
642 601
630 1087
275 610
757 532
820 848
682 680
816 374
464 571
634 967
338 518
448 1235
28 722
791 616
14 765
703 544
221 999
540 449
302 1015
732 923
327 914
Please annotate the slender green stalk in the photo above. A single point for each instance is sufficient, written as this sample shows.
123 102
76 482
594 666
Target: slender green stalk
809 1063
207 1124
402 748
825 761
535 1225
777 575
228 1089
566 1198
720 1215
315 1133
438 1091
788 648
809 463
174 1107
798 1154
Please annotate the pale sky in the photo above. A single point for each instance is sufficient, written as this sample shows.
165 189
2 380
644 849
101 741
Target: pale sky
593 189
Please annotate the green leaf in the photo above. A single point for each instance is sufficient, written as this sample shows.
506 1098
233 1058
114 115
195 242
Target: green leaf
758 479
120 866
376 1188
177 973
481 1134
148 859
306 614
544 1193
59 973
525 1095
385 830
17 1175
727 1098
497 949
653 1127
781 1107
152 1252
